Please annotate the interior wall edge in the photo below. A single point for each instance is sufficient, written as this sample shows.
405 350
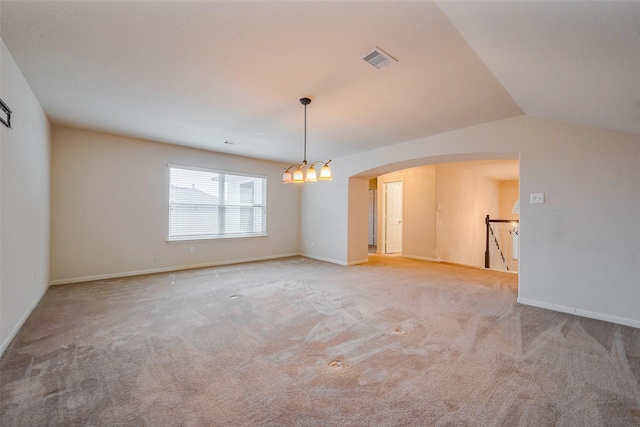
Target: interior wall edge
7 342
325 259
25 158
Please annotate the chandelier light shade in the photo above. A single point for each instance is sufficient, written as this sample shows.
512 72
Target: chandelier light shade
311 174
325 172
298 175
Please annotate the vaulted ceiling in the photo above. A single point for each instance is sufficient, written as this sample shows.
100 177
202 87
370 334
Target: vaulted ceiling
202 73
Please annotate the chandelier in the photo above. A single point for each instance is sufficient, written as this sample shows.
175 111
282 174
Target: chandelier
311 176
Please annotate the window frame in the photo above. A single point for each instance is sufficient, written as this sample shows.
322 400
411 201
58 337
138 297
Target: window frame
221 206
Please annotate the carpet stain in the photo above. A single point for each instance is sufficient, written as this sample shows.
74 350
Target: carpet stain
335 364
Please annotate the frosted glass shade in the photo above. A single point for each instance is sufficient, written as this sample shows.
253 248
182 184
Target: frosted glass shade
325 173
311 174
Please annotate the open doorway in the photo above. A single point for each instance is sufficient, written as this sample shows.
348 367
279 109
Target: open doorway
393 217
444 208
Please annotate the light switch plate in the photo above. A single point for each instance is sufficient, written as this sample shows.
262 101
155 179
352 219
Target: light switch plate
537 197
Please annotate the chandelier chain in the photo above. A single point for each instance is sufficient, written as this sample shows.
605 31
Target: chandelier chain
298 175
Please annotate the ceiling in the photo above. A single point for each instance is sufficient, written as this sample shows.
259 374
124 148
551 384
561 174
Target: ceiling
202 73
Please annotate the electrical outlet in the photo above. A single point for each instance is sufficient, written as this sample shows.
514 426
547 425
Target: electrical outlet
537 197
192 250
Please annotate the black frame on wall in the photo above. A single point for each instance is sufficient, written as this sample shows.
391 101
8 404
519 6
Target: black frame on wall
7 111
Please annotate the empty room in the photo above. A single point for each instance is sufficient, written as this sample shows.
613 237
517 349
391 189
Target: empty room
319 213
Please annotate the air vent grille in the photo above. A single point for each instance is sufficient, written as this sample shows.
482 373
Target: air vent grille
378 58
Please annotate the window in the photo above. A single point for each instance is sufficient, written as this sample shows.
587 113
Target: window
211 204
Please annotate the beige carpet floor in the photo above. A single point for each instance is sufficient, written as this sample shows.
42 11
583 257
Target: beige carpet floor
297 342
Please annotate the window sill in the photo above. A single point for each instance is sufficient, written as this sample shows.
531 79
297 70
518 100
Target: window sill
226 236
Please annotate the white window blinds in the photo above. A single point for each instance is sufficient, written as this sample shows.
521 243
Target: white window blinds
210 204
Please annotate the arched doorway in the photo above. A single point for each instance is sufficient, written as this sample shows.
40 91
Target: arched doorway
445 205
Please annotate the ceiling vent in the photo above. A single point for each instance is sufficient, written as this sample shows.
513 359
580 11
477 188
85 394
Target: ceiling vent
378 58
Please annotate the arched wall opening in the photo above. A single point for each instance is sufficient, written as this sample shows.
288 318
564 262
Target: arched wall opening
440 213
444 202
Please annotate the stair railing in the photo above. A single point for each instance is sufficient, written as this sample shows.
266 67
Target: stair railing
492 241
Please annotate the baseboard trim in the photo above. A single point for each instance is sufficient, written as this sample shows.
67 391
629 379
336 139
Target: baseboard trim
579 312
420 258
165 269
335 261
457 264
329 260
25 316
436 260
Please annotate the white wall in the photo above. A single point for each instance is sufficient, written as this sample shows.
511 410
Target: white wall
419 211
25 196
463 199
509 194
325 215
580 251
358 211
444 207
110 208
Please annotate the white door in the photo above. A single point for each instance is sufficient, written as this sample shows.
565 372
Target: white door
372 218
393 217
